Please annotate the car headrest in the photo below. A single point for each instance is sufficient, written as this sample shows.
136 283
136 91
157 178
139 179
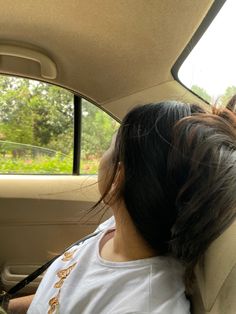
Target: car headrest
218 265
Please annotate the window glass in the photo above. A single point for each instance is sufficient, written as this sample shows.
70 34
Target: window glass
36 127
209 70
97 130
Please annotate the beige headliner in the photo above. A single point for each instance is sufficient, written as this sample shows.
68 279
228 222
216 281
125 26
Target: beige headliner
113 52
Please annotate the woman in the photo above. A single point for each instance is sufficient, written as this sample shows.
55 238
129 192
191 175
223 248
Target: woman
170 178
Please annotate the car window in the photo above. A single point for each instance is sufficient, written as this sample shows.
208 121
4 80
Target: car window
37 129
209 69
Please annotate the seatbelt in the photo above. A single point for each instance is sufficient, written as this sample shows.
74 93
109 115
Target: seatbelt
5 296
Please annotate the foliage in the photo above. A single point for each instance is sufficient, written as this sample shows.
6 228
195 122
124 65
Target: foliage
45 165
97 131
222 101
228 94
35 113
201 92
36 128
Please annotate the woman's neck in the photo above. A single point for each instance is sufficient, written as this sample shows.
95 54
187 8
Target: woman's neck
126 244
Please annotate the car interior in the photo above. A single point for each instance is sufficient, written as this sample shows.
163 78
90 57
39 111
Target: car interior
114 55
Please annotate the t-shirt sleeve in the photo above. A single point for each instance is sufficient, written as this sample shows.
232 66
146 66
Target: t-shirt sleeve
106 224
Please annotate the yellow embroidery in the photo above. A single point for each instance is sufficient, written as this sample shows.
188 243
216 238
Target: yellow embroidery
62 274
53 303
68 255
65 272
59 284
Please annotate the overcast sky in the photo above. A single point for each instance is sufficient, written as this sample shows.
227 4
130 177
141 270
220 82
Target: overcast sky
212 63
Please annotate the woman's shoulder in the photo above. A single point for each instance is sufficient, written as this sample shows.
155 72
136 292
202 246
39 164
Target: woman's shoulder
106 224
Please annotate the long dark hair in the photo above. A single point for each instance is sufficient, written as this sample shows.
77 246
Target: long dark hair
179 176
202 177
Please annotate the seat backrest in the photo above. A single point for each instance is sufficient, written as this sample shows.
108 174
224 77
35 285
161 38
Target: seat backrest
215 290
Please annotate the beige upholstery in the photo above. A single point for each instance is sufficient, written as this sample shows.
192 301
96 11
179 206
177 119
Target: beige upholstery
216 277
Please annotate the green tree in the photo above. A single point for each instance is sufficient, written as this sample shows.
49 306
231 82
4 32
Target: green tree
15 120
35 113
97 130
228 94
41 115
201 92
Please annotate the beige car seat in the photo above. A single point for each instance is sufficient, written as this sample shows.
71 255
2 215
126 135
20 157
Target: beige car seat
215 291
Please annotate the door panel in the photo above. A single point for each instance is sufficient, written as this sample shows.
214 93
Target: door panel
12 274
42 215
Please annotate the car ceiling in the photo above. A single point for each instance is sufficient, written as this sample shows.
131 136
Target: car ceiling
110 52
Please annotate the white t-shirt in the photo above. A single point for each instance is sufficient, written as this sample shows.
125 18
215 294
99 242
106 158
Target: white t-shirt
81 282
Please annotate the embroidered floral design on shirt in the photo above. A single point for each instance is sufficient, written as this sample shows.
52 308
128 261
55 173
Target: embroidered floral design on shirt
54 303
59 284
62 275
68 255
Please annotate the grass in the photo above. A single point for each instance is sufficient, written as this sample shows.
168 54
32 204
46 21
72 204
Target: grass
45 165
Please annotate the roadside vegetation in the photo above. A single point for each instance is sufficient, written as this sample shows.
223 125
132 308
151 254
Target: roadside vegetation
221 101
36 129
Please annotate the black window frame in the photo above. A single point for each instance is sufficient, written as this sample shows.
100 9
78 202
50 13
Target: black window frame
77 134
